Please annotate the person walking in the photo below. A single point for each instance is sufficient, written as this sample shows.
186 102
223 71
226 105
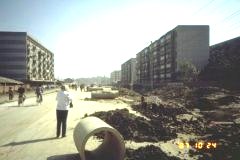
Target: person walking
64 101
10 93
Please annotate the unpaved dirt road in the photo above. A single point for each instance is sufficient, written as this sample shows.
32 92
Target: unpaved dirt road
28 132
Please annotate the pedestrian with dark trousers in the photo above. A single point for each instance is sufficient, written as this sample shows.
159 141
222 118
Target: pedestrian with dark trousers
10 93
39 92
21 95
64 101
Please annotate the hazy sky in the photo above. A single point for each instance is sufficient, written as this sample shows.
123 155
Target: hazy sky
94 37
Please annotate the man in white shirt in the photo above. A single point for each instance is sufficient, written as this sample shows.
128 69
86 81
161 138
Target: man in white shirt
63 101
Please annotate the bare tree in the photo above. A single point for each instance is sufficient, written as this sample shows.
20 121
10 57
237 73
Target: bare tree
187 71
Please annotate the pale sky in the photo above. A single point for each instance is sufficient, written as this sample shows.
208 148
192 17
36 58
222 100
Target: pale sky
94 37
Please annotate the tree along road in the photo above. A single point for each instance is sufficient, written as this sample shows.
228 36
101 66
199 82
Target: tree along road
28 132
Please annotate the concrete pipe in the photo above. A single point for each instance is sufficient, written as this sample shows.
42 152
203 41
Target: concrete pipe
112 147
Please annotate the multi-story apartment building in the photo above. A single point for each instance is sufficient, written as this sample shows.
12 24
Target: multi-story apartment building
115 77
143 67
224 63
23 58
159 62
128 73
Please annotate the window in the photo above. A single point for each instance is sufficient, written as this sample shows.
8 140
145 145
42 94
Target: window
168 75
168 36
162 49
146 50
162 40
168 65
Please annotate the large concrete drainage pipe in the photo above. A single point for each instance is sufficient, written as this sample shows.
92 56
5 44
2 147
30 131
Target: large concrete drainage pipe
112 147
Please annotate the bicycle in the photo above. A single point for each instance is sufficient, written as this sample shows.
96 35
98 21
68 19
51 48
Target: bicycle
39 99
21 99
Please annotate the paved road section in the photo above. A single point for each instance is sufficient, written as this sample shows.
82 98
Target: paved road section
28 132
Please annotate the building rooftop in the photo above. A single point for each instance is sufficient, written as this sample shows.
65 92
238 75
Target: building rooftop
4 80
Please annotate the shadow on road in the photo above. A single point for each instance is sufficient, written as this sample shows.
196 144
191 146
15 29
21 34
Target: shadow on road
76 156
29 105
65 157
30 141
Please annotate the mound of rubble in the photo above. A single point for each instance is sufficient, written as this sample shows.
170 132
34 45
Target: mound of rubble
136 128
149 152
177 93
209 98
172 116
129 94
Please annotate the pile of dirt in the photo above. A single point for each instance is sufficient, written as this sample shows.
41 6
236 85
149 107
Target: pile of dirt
149 152
204 98
165 114
202 103
176 93
128 92
227 140
210 98
226 100
206 91
136 128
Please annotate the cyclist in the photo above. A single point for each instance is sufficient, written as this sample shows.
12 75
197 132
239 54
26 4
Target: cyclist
21 96
39 92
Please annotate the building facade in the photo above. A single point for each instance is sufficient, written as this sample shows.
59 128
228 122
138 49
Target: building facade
128 73
115 77
224 64
159 62
23 58
143 67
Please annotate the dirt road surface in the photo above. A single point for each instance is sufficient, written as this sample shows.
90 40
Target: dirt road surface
28 132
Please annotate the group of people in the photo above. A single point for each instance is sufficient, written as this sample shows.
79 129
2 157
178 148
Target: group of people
75 86
22 96
64 102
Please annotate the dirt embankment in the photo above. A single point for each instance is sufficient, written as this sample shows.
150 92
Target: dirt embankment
136 128
208 112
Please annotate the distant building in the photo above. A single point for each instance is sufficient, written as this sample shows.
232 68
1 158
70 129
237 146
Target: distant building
93 80
115 77
105 81
159 62
224 63
143 76
128 73
23 58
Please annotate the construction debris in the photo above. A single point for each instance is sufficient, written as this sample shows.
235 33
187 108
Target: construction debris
136 128
104 95
174 117
149 152
89 89
208 112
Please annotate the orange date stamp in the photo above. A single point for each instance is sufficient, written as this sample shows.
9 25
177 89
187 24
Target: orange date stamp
198 145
